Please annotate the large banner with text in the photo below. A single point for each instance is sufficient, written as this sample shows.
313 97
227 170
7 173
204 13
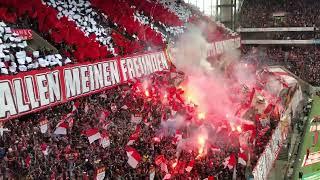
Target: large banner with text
35 90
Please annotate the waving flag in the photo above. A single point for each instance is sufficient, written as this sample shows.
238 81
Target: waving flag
209 178
166 177
180 167
230 161
251 96
160 160
134 136
190 166
242 159
75 106
70 122
93 134
100 173
61 128
44 149
105 141
133 157
44 125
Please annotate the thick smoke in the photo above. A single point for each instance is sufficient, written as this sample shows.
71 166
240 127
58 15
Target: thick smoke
207 86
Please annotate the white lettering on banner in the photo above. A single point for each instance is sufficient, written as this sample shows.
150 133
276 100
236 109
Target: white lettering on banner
31 91
54 86
91 79
98 76
135 67
164 61
114 73
6 101
72 82
84 79
21 106
43 89
154 62
131 70
106 74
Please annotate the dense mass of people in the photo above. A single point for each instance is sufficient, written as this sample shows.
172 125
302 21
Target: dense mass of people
119 132
56 143
274 13
300 60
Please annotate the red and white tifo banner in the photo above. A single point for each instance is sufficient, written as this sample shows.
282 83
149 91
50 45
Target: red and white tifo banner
25 34
35 90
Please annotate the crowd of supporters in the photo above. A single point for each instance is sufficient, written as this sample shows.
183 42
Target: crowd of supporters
303 61
33 147
284 13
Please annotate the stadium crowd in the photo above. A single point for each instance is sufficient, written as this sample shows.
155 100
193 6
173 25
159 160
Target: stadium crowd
300 13
300 60
56 143
125 122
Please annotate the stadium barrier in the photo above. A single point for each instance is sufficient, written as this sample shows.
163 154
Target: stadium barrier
271 151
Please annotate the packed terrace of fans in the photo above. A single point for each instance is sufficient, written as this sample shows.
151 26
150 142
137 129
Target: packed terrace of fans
54 143
301 60
57 144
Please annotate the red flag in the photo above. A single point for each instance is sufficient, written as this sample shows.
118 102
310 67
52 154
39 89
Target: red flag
44 149
230 161
134 136
75 106
61 128
242 159
190 166
133 157
100 173
44 125
251 96
105 140
268 108
160 160
93 134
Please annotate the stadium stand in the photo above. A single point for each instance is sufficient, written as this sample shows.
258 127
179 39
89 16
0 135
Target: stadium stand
301 59
16 58
56 145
